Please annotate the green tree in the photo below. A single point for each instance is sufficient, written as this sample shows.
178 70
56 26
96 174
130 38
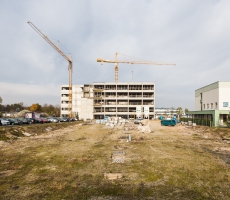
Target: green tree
186 110
51 110
0 100
179 111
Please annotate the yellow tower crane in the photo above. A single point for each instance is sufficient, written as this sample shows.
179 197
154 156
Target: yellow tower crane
70 68
116 61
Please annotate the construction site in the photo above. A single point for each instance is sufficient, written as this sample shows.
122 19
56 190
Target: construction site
105 155
117 160
96 101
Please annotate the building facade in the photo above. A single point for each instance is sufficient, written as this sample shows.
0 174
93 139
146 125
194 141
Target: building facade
82 101
95 101
215 96
212 103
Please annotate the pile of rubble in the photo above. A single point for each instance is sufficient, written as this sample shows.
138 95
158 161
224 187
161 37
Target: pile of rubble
113 121
144 126
128 125
189 123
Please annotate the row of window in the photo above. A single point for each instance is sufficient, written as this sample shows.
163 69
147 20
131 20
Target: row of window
124 87
210 106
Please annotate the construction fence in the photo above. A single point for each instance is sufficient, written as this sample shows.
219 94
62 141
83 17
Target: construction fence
201 122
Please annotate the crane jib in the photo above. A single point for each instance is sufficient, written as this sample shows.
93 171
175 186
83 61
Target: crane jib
70 67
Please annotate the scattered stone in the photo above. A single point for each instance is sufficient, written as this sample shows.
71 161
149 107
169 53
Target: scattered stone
144 129
26 134
144 122
2 142
48 129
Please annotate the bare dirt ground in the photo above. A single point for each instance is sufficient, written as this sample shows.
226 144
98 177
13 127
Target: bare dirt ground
79 162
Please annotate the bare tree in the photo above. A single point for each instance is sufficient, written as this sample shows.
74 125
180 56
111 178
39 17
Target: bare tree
186 110
179 111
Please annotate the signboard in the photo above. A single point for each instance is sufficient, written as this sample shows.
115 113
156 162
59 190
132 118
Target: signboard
138 111
32 115
146 111
225 104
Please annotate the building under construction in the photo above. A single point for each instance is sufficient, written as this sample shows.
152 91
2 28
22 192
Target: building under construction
97 100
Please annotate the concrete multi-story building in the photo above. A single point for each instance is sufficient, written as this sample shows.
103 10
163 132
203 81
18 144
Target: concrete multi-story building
212 102
82 101
95 101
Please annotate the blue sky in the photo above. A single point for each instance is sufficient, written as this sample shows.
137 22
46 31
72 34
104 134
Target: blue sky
193 34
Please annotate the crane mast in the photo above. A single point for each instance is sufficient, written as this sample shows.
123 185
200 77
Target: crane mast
116 61
70 67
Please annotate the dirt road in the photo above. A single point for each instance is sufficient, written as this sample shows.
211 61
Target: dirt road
76 162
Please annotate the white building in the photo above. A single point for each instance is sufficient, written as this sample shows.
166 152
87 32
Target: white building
215 96
169 112
127 100
82 104
212 103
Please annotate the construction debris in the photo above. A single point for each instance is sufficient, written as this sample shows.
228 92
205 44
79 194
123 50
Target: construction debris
189 123
144 129
127 124
26 134
144 122
113 121
112 176
48 129
118 157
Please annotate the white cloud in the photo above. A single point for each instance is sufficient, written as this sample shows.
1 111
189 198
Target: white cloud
193 34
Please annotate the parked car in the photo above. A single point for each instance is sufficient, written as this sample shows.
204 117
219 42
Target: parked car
64 119
20 121
44 120
54 120
28 121
70 119
49 119
37 120
4 122
59 119
138 120
13 121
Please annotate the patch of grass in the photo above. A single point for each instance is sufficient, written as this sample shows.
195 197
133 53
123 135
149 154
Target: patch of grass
16 132
170 166
3 137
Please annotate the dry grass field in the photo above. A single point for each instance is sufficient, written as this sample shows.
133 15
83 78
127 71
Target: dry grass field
77 162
